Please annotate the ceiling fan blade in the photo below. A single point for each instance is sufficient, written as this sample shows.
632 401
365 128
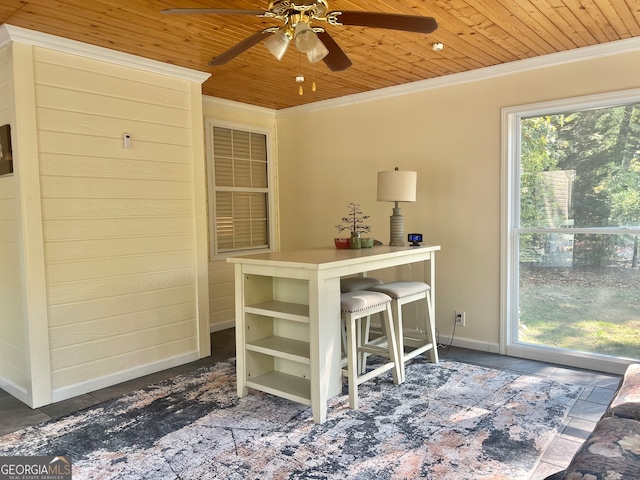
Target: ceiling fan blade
407 23
336 60
212 11
237 49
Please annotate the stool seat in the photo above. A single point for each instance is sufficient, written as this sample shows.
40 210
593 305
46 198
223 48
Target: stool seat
354 307
420 340
401 289
352 302
353 284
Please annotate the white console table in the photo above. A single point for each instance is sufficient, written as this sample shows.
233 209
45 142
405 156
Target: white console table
288 317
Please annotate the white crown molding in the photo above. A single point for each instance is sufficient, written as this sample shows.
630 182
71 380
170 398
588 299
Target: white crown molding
223 103
11 33
543 61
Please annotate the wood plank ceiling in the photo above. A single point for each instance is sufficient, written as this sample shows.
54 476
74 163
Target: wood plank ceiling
475 34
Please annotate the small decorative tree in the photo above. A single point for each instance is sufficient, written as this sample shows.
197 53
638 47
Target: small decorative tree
354 222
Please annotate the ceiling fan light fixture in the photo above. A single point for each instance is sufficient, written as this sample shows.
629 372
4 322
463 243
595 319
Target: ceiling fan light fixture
305 38
318 52
278 44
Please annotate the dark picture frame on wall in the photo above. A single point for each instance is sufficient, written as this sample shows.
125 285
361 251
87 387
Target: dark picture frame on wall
6 156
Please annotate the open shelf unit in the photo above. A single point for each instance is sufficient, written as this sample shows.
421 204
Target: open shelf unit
276 336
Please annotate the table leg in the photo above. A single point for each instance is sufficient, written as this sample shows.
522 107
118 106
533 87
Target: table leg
324 344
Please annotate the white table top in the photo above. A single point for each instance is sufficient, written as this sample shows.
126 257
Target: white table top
331 257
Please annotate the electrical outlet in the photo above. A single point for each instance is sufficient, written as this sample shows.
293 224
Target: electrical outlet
460 318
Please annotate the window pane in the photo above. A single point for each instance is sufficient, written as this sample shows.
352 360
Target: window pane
586 299
581 169
258 147
222 142
242 213
223 172
259 174
224 220
242 173
241 145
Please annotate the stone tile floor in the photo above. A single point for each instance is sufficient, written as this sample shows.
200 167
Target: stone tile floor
598 391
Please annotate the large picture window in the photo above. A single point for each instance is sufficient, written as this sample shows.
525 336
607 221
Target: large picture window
239 188
571 229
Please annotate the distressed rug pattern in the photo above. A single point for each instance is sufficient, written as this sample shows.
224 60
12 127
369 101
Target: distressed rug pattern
447 421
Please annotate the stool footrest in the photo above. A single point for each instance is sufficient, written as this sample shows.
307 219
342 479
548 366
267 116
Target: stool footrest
373 373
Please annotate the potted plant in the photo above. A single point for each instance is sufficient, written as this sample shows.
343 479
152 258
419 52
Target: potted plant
354 222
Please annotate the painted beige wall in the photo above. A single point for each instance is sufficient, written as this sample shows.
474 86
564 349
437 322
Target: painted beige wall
451 136
221 280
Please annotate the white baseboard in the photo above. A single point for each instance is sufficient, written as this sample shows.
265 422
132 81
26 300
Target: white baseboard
16 390
471 344
81 388
216 327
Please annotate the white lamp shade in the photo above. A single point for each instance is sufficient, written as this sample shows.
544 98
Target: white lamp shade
397 186
278 44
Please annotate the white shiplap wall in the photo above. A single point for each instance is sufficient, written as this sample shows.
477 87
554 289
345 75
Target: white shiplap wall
13 374
118 224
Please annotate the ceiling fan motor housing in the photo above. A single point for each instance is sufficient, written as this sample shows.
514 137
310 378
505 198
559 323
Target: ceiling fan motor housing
314 9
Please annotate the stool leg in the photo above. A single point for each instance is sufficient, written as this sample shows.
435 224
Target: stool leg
363 330
431 330
392 344
352 352
396 308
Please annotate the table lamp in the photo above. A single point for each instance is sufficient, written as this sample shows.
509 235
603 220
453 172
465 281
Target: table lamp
397 186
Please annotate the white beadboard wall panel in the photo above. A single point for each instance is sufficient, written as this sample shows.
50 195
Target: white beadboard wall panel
111 307
13 351
10 271
108 150
116 326
84 75
92 125
115 207
130 342
79 164
117 285
96 228
108 106
85 373
221 293
70 250
8 229
118 224
90 269
69 187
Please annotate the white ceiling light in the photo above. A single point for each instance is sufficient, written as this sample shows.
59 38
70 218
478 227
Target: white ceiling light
305 38
318 52
278 43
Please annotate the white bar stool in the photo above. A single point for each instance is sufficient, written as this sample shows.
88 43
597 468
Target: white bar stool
402 293
353 284
354 307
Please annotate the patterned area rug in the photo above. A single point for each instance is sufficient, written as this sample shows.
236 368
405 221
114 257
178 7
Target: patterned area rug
448 421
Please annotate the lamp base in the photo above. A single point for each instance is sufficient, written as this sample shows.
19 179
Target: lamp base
397 228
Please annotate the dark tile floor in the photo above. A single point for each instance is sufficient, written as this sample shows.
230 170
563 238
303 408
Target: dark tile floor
598 391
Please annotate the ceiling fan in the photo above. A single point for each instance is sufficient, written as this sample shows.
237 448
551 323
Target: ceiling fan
300 26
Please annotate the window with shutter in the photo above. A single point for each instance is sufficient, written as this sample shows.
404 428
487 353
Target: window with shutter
239 190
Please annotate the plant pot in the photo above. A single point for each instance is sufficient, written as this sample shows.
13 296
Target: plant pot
355 240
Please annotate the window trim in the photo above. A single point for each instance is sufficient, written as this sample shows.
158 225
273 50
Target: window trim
210 124
509 223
